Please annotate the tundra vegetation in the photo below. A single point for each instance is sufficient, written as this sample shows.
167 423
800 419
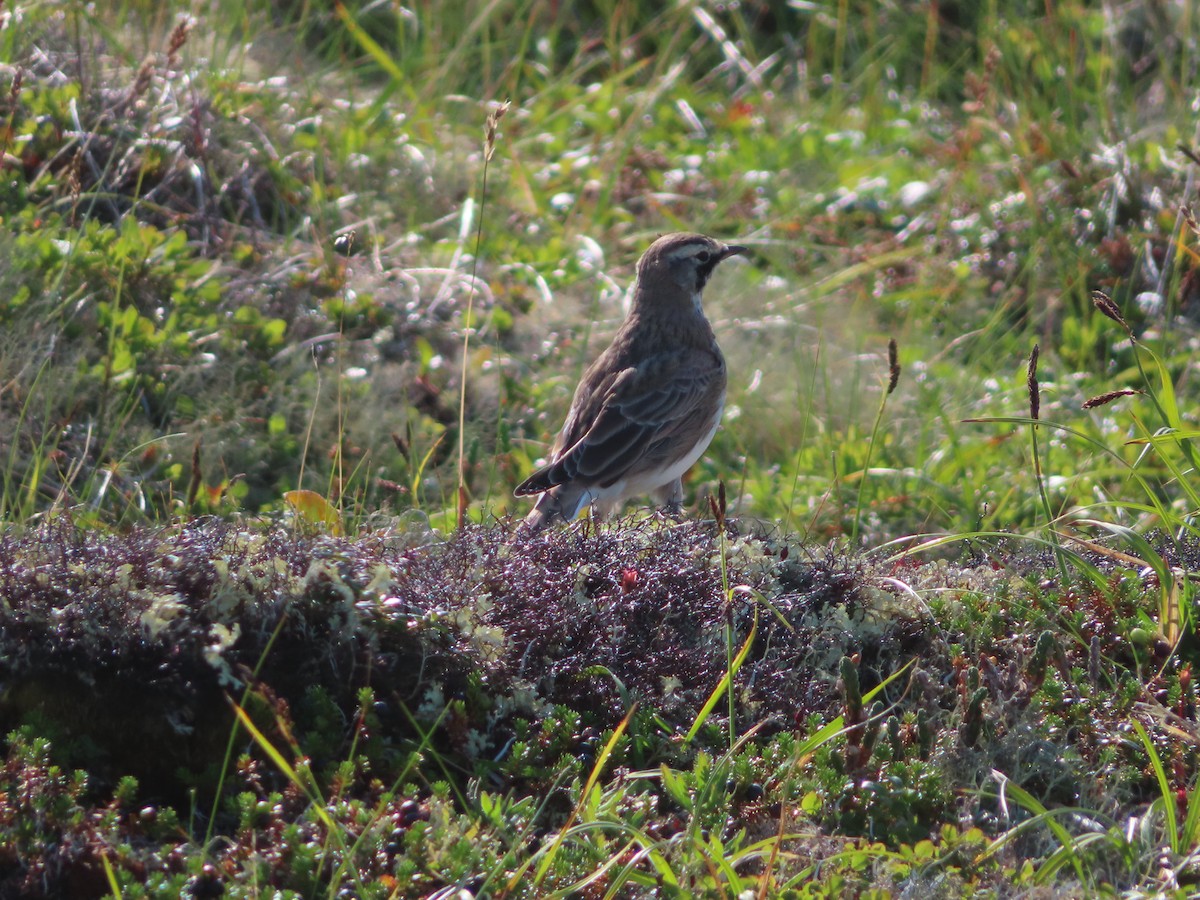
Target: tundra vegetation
293 294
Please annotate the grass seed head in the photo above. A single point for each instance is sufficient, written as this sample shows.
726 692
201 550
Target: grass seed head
1190 218
1031 382
1108 397
179 36
493 121
1105 304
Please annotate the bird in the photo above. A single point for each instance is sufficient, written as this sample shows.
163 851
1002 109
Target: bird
649 405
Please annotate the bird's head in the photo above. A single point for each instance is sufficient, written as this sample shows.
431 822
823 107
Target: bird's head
682 261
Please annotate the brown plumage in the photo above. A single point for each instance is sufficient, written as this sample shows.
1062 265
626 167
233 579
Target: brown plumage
648 407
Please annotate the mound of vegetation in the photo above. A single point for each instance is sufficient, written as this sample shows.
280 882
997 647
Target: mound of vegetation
400 712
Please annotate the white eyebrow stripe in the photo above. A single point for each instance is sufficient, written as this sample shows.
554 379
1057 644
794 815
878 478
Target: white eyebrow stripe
692 249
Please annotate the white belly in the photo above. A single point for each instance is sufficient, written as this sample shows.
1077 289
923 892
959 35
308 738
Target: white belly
639 483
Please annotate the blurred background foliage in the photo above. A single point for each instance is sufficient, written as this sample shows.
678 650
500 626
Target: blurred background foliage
183 334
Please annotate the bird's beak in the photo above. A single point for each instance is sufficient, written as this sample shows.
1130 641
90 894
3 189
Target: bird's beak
732 250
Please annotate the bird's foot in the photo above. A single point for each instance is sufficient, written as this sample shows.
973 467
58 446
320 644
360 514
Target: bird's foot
672 512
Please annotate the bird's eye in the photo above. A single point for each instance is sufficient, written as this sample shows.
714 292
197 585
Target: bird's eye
703 256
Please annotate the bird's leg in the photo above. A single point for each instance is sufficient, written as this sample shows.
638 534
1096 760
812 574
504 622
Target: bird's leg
596 516
671 498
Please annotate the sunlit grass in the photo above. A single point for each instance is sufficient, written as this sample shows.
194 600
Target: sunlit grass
923 195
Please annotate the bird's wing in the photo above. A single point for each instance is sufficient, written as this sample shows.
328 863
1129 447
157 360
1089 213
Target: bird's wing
665 399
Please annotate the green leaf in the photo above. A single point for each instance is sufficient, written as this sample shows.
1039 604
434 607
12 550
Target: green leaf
314 509
724 684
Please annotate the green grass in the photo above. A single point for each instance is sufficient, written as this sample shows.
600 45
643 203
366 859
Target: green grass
182 334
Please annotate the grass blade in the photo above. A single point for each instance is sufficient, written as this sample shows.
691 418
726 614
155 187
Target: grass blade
724 684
